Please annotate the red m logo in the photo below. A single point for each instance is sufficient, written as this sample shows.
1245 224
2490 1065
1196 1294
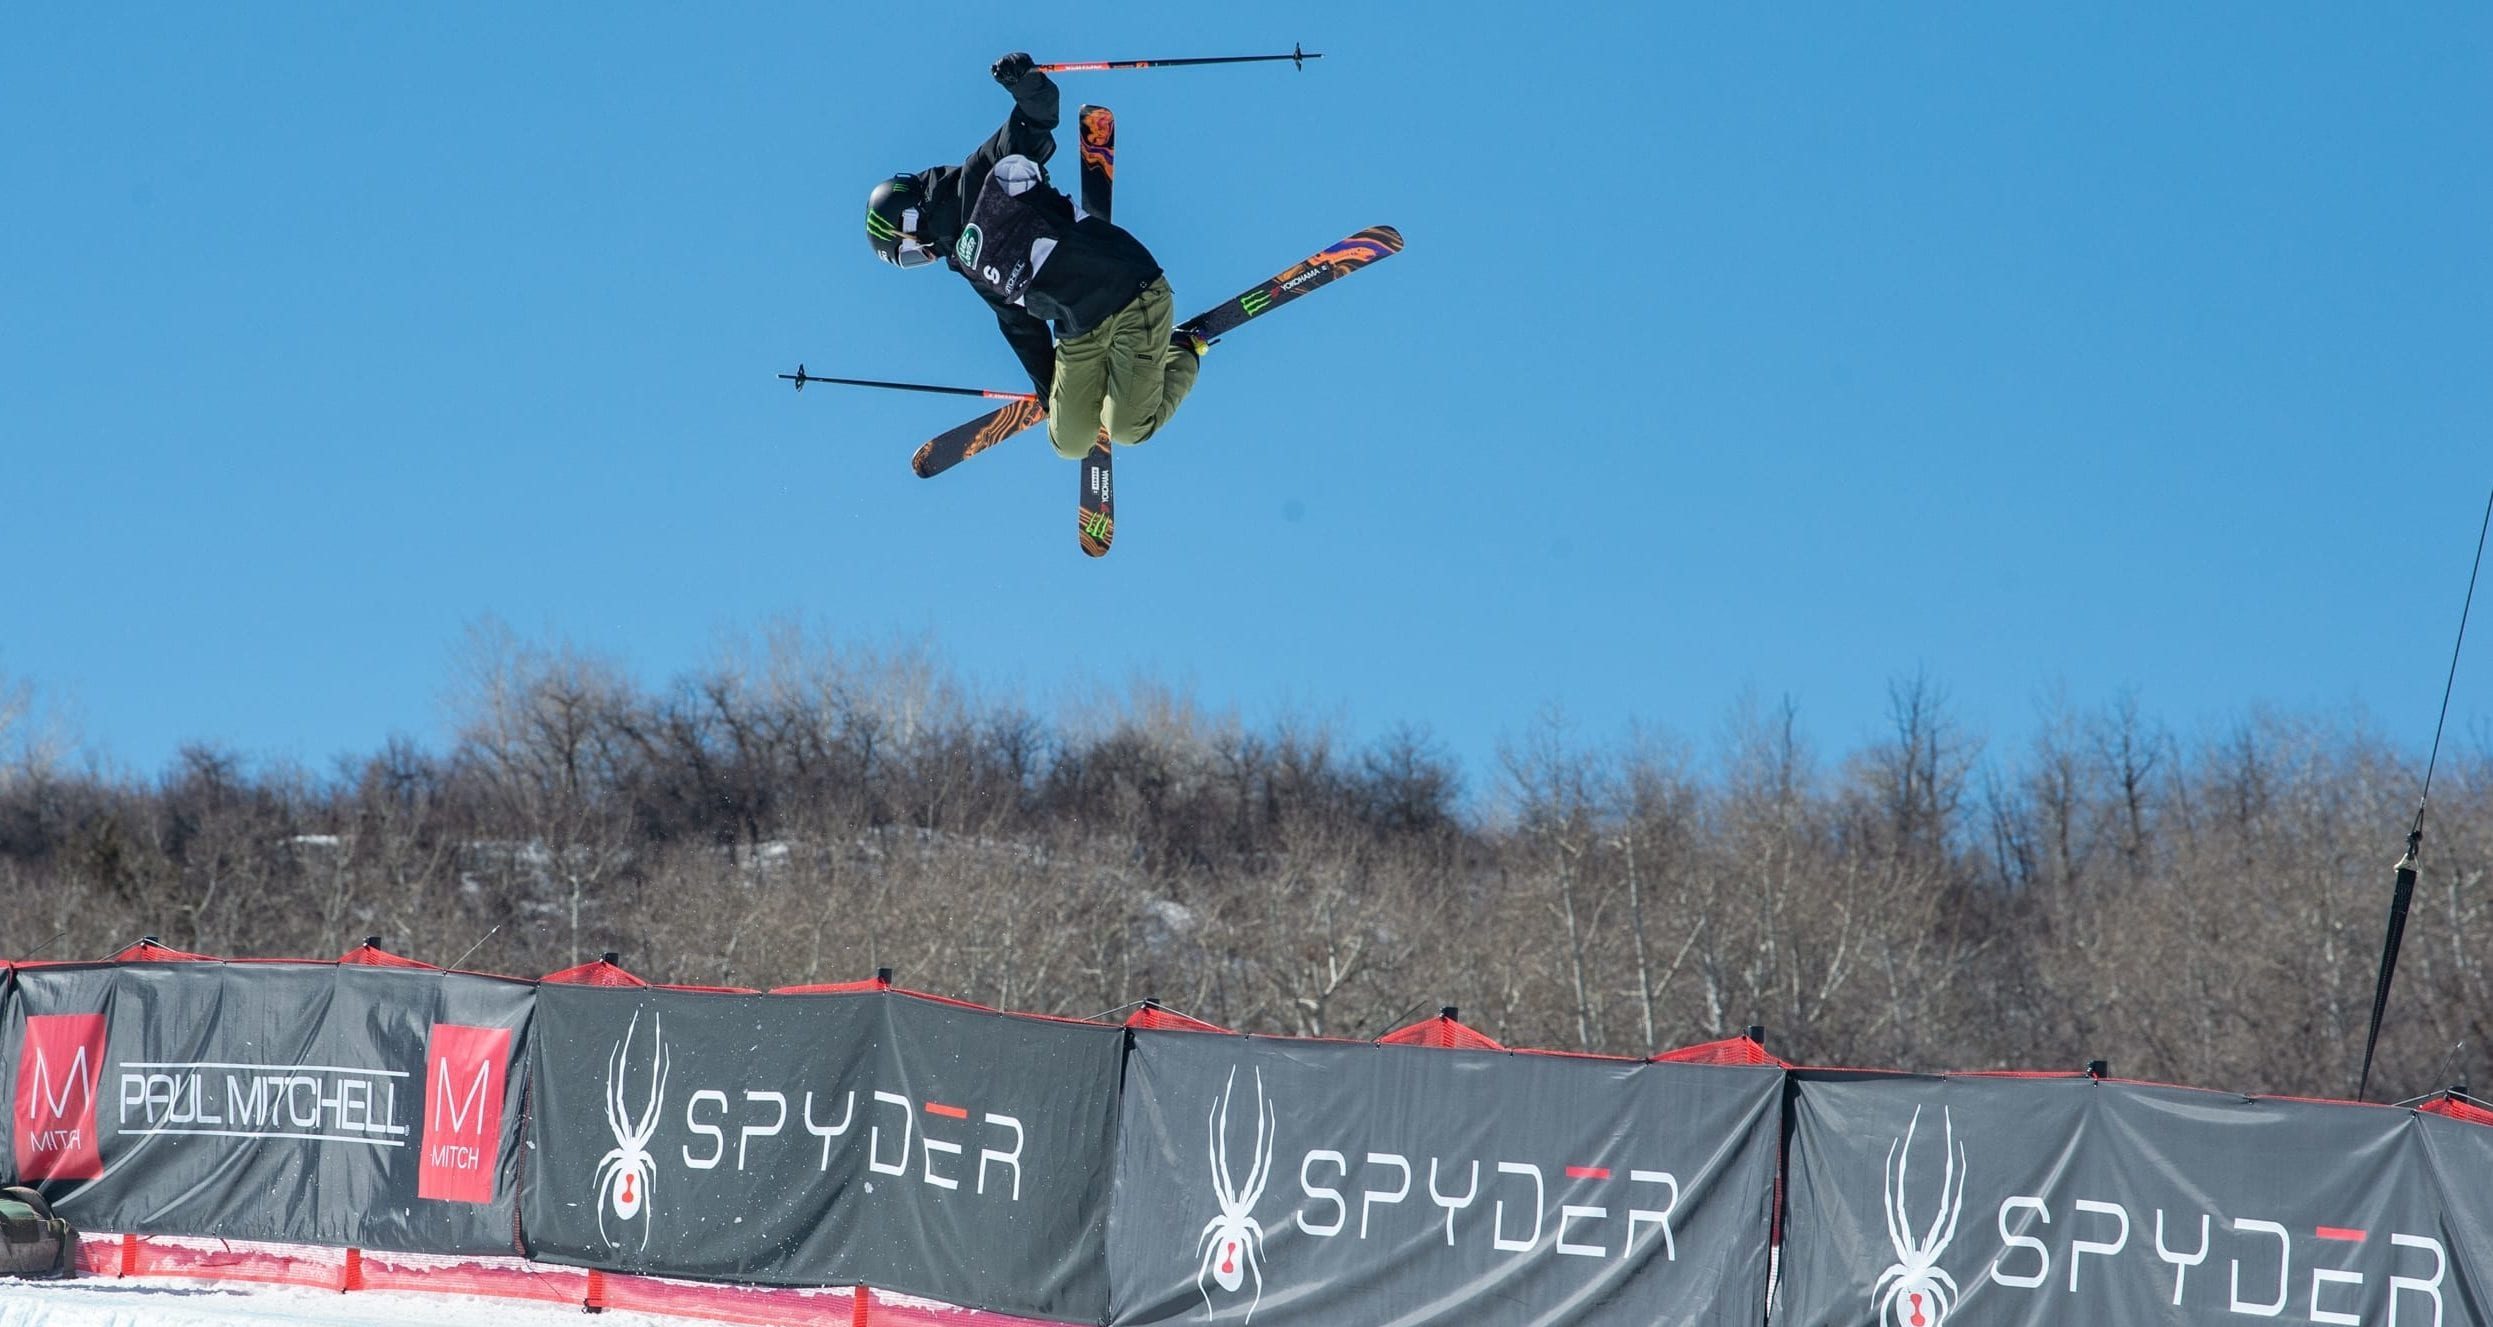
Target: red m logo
53 1118
464 1072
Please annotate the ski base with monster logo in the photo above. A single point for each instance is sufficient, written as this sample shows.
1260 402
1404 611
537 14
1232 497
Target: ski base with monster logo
1097 523
1375 244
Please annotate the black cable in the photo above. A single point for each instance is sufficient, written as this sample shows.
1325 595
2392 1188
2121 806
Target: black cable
2403 893
2452 680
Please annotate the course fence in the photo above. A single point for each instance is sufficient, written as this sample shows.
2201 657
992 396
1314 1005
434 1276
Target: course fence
862 1154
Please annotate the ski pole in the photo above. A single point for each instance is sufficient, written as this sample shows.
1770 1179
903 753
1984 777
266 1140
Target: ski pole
801 377
1296 57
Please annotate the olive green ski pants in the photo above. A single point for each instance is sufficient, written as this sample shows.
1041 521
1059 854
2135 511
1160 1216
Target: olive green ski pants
1122 374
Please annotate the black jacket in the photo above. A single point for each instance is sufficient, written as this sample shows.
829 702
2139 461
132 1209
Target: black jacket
1095 270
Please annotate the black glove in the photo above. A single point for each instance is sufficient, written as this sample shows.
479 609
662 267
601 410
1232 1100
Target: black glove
1012 68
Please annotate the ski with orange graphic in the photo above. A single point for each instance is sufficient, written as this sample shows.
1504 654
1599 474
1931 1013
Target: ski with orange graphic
1097 520
1373 245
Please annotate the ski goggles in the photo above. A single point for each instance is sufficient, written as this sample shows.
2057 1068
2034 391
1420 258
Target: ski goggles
907 249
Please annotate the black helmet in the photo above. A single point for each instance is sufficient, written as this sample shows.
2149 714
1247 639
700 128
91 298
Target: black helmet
892 222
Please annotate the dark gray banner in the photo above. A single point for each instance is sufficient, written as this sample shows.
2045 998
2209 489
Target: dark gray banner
1284 1182
1921 1202
308 1102
8 1056
909 1144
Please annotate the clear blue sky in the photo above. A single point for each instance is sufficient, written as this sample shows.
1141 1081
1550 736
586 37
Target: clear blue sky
1737 350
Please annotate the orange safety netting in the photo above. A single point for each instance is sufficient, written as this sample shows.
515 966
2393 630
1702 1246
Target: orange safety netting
1442 1032
596 972
1155 1017
348 1270
371 954
1729 1050
2458 1108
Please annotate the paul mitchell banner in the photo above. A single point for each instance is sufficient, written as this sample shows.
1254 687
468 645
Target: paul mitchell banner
1279 1182
824 1139
316 1103
1925 1202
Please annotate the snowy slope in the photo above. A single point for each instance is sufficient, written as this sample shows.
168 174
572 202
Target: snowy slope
152 1302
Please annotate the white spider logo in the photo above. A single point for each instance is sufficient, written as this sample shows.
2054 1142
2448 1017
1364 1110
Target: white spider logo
1914 1291
625 1174
1233 1243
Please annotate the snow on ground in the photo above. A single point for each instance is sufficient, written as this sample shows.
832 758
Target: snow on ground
141 1301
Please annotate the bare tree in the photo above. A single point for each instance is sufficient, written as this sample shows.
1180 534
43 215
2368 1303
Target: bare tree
542 731
2204 909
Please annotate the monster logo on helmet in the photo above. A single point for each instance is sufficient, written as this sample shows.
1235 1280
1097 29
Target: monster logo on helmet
892 223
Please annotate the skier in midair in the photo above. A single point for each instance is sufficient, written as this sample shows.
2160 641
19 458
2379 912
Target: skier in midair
1115 358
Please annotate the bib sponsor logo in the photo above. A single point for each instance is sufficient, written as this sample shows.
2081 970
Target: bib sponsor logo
465 1069
54 1116
965 252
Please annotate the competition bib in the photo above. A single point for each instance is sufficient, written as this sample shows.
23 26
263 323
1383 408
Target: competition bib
1006 239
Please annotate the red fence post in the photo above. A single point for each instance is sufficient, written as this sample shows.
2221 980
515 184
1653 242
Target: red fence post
860 1305
129 1256
353 1279
595 1302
